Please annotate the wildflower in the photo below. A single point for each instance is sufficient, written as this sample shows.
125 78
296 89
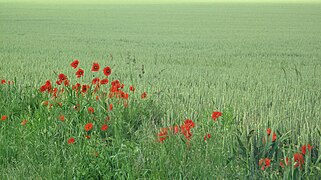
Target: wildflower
85 88
176 129
144 95
67 82
62 118
3 81
104 127
76 87
3 118
186 128
304 147
91 110
95 67
216 114
87 137
274 137
162 135
131 88
107 71
74 64
265 163
24 122
104 81
95 81
111 107
268 131
88 126
207 136
80 73
58 82
62 77
298 160
71 140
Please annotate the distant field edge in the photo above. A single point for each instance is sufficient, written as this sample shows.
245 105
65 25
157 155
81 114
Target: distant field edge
155 1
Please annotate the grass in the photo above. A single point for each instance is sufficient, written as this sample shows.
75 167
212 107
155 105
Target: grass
258 63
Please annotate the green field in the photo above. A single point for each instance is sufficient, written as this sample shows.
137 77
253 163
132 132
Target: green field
257 62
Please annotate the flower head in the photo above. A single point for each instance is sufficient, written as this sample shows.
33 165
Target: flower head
216 114
304 148
207 136
132 88
162 135
71 140
91 110
88 126
3 118
80 73
298 160
95 67
265 163
104 81
144 95
107 71
24 122
74 64
104 127
62 77
62 118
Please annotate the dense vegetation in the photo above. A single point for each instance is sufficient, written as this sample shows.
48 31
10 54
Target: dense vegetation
259 64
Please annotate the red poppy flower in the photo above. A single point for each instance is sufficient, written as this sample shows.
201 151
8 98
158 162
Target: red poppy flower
3 81
265 163
71 141
58 82
88 126
95 81
216 114
107 71
186 131
24 122
175 129
67 82
298 160
162 135
85 88
74 64
304 148
3 118
189 123
91 110
95 67
62 118
111 107
87 137
62 77
207 136
131 88
144 95
268 131
104 127
76 87
104 81
80 73
274 137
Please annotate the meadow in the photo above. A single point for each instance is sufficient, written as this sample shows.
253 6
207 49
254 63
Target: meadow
257 63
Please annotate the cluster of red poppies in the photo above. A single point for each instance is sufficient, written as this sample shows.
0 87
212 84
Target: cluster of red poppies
115 88
184 129
298 158
3 81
